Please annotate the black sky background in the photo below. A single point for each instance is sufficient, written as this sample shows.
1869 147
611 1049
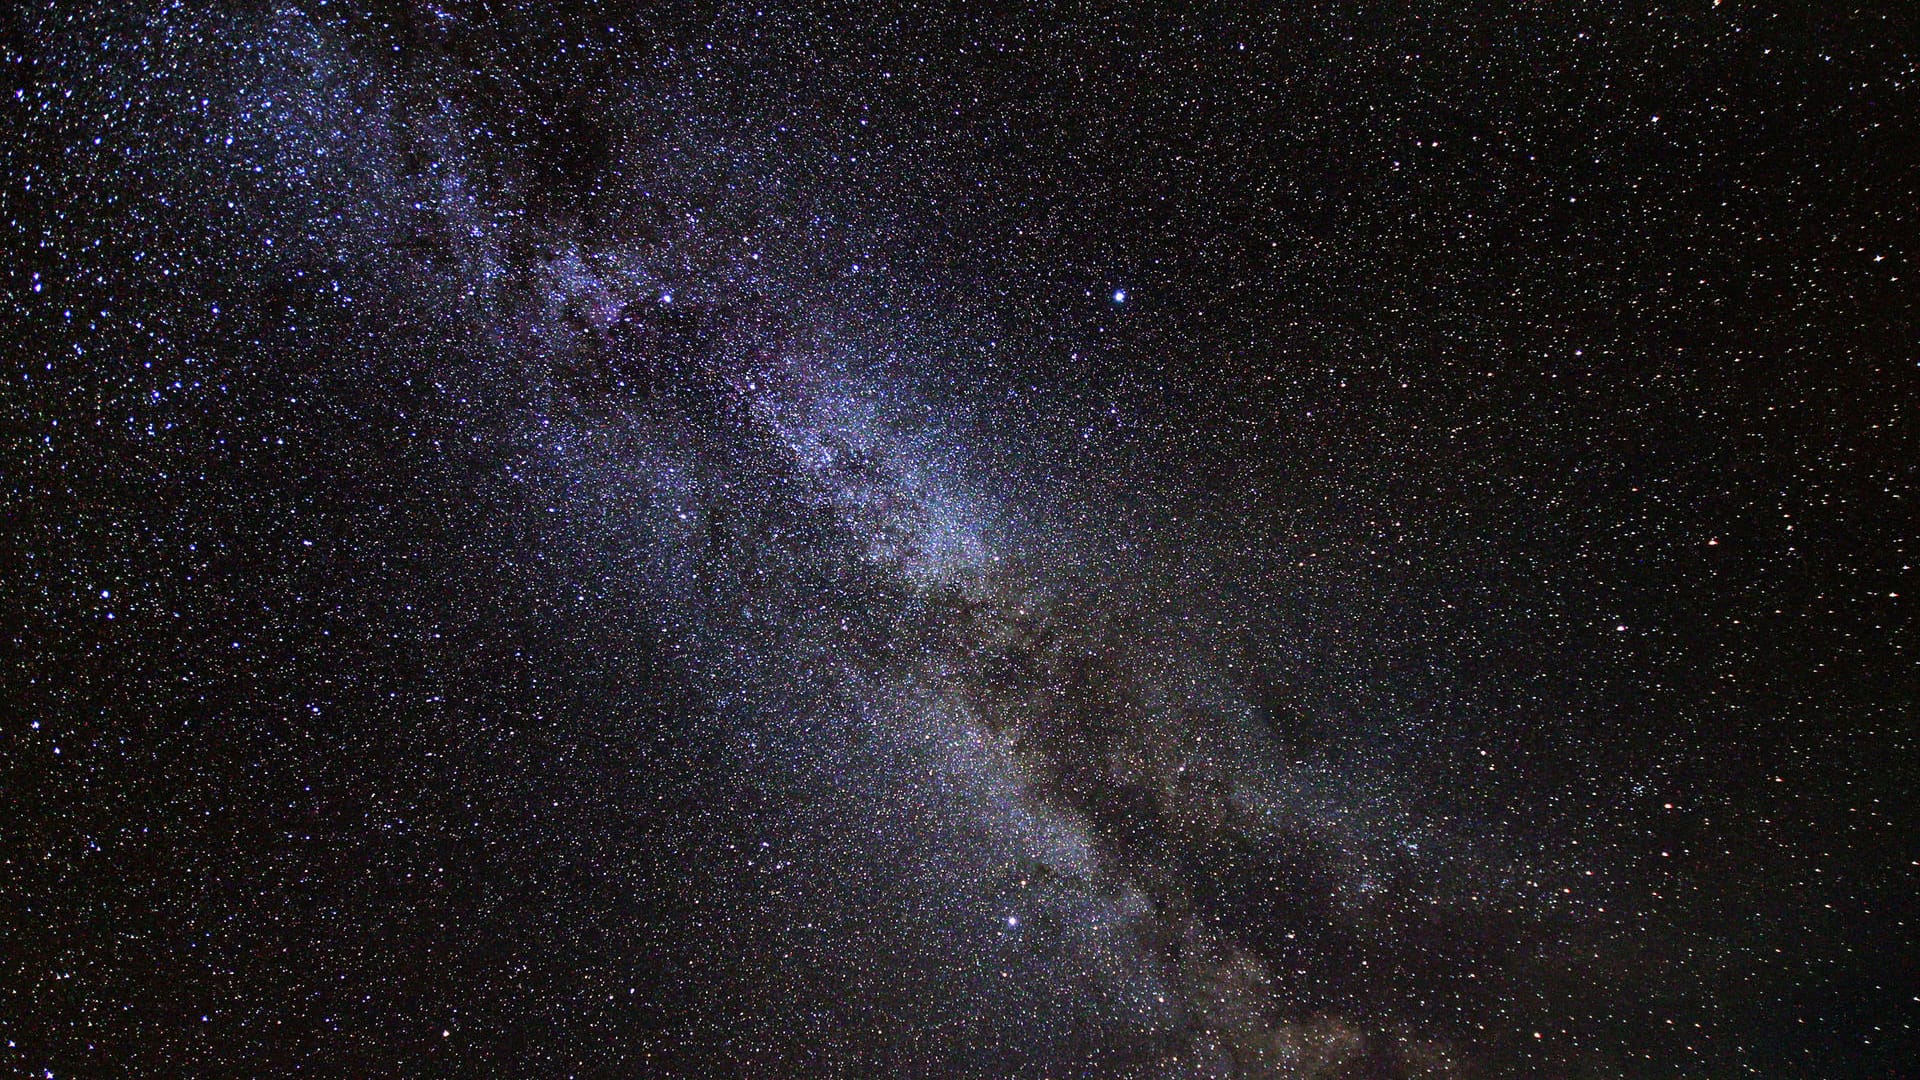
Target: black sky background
547 541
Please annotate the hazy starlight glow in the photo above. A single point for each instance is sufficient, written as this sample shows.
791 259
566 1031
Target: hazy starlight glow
623 541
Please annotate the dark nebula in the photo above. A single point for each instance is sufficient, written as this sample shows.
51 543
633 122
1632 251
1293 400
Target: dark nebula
1356 540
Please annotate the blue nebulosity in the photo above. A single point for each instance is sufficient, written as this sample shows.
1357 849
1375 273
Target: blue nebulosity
553 541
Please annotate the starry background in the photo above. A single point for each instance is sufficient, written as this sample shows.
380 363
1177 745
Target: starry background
1359 540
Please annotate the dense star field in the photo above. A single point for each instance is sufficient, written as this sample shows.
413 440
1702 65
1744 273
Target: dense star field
1360 540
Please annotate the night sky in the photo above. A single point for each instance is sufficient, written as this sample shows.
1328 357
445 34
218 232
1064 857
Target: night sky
1365 540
